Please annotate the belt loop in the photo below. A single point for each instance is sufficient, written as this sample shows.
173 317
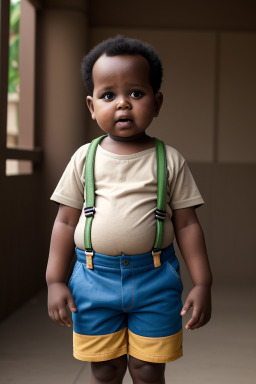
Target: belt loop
156 257
89 255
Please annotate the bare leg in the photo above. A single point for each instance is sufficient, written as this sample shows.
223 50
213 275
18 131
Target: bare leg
110 371
143 372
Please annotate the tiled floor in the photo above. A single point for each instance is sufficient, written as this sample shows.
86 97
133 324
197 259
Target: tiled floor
34 350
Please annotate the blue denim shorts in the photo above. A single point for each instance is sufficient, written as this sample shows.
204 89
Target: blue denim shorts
127 306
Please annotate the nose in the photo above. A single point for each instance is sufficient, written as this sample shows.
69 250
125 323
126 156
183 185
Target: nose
123 103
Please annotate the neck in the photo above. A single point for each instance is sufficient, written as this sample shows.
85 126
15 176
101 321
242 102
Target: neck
142 137
127 145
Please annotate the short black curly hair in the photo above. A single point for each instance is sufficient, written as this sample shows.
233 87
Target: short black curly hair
121 45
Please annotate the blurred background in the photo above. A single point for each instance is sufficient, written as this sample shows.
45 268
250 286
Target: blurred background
208 52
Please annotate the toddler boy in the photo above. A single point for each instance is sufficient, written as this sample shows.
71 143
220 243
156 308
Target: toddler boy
124 299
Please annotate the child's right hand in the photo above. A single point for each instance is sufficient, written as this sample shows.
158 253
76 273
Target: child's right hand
58 297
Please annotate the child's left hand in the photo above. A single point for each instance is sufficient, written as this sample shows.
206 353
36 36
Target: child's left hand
200 299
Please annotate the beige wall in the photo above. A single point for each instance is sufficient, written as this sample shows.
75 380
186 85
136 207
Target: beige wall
237 98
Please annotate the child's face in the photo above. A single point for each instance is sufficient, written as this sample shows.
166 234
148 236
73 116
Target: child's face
123 101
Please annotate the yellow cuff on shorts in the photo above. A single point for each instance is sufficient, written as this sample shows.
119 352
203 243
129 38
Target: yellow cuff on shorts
100 348
155 349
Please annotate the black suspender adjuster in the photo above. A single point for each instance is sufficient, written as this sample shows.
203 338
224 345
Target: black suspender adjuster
89 251
156 250
89 211
160 215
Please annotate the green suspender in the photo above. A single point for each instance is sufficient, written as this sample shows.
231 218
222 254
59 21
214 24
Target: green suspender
89 197
161 193
161 197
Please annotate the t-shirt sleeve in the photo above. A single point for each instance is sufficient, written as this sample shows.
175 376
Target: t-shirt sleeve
70 188
184 192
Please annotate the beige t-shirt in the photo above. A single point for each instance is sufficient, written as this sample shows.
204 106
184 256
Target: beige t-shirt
126 198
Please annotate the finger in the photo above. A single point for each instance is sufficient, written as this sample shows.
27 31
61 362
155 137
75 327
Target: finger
54 316
51 314
199 323
71 304
186 307
207 317
194 319
64 317
57 318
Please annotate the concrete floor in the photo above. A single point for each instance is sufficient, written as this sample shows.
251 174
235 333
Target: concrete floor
35 350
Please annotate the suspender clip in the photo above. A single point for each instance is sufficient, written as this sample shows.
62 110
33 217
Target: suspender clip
89 255
156 257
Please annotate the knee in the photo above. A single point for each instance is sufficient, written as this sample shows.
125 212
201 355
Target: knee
111 371
145 372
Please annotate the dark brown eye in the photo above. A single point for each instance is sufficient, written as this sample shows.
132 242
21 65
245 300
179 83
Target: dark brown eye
108 96
136 94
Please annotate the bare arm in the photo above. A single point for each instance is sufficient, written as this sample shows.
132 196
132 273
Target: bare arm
190 239
61 252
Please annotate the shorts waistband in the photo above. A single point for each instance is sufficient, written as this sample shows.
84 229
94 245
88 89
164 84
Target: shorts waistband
131 261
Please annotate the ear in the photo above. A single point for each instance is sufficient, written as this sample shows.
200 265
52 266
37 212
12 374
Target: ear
90 106
158 103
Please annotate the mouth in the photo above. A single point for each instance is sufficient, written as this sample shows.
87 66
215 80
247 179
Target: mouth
124 120
124 123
